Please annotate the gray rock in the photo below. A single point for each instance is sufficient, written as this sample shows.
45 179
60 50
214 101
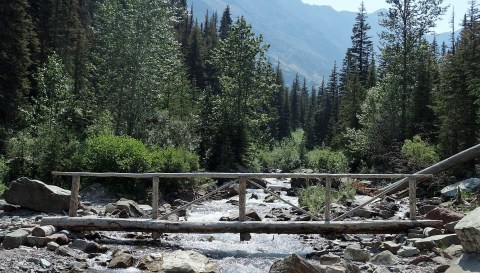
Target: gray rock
364 213
450 227
3 203
468 263
331 269
151 263
52 246
181 261
441 268
429 231
110 208
131 207
468 231
329 259
381 269
69 252
36 195
426 209
122 260
38 241
408 251
445 240
293 263
14 239
384 258
391 246
87 246
354 253
468 185
453 251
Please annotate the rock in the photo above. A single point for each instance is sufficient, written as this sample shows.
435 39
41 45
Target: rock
408 251
260 182
468 263
382 269
123 214
419 259
151 263
329 259
429 231
391 246
122 260
66 251
440 260
14 239
450 227
426 209
36 195
131 207
181 261
468 185
364 213
52 246
444 215
331 269
384 258
293 264
270 199
87 246
43 231
38 241
110 208
59 238
468 231
356 254
251 216
453 251
233 190
437 241
441 268
3 203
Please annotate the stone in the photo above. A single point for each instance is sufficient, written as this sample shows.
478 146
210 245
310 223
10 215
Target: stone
131 207
356 254
110 208
151 263
440 260
419 259
444 215
391 246
43 231
468 231
37 241
426 209
123 214
453 251
122 260
250 214
260 182
468 185
442 241
59 238
293 264
384 258
450 227
382 269
467 263
329 259
364 213
67 251
233 190
441 268
429 231
14 239
331 269
408 251
270 199
180 261
52 246
36 195
87 246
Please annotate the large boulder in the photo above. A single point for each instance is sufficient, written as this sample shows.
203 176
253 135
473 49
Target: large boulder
14 239
444 241
293 264
36 195
190 261
446 216
468 185
130 207
468 231
354 253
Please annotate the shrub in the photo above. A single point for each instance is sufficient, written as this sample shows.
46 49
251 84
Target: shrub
314 196
3 175
418 154
328 161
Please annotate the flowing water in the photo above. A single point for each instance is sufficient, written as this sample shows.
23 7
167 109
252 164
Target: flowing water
234 256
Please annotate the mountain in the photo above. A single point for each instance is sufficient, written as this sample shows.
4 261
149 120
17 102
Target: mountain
305 38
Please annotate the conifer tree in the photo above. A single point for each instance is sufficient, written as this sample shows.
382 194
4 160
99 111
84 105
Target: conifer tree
225 23
295 102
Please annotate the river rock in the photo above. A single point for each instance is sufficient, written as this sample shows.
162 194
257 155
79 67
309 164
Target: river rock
251 216
429 231
14 239
121 260
151 263
87 246
468 185
444 215
260 182
293 264
468 231
468 263
37 241
408 251
52 246
67 251
329 259
391 246
110 208
181 261
437 241
131 207
354 253
384 258
382 269
59 238
36 195
426 209
453 251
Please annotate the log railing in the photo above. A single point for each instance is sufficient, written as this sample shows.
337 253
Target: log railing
243 180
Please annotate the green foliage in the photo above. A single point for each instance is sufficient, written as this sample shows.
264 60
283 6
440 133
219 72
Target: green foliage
419 154
3 175
174 160
314 196
327 161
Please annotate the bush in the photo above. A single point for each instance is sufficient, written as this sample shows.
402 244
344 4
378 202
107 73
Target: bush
418 154
3 175
314 196
327 161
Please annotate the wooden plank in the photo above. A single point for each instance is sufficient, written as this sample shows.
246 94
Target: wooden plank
242 206
294 227
328 198
72 212
239 175
413 197
155 197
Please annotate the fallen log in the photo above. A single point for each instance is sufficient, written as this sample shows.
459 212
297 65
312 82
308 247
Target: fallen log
311 227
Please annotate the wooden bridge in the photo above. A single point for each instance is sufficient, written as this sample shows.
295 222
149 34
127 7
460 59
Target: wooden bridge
317 226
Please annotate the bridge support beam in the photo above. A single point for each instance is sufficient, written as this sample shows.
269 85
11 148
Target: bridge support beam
311 227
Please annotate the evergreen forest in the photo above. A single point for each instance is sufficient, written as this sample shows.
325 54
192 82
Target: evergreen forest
145 86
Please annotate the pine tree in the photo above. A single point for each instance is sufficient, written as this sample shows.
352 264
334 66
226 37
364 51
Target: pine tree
225 23
362 46
295 102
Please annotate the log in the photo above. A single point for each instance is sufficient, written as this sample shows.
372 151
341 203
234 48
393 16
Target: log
43 231
74 196
242 207
328 198
413 198
298 227
155 198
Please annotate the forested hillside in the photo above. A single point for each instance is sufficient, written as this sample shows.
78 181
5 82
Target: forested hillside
141 86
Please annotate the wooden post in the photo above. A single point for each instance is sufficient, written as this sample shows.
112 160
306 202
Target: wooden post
72 212
412 183
242 203
328 198
154 198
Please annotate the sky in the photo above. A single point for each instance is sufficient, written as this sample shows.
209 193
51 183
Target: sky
461 6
